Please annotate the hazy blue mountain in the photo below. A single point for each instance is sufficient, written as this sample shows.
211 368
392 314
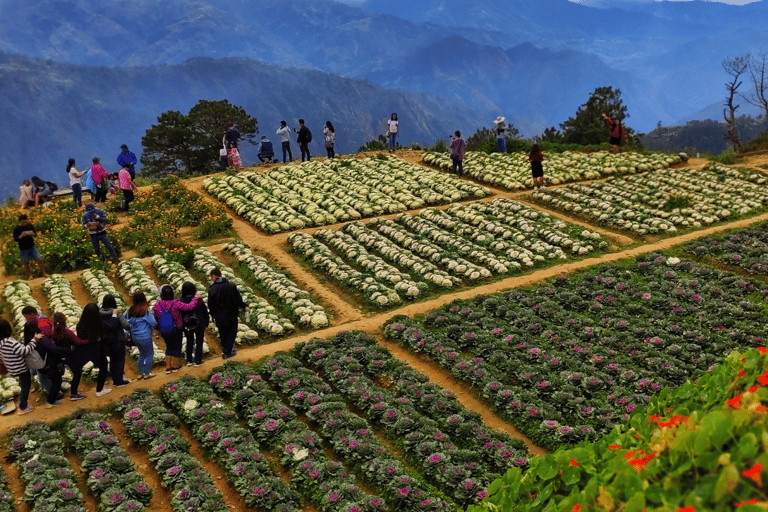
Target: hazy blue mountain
53 111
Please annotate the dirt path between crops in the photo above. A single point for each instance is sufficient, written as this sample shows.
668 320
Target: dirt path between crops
345 316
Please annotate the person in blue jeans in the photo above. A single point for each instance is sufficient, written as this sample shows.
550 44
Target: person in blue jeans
96 222
393 130
12 353
142 322
285 139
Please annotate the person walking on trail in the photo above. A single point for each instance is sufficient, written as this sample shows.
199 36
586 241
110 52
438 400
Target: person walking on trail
128 160
115 326
285 138
500 130
224 304
74 182
304 138
127 187
13 353
24 235
100 180
266 151
167 313
330 139
90 328
617 132
194 324
142 323
393 130
95 221
536 157
458 147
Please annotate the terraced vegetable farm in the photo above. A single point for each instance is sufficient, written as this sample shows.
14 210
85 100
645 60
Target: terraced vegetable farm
411 360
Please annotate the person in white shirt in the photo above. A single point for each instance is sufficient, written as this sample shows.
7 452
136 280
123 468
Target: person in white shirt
74 182
393 129
285 137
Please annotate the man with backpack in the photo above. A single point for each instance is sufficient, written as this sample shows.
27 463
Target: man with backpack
95 221
304 138
224 304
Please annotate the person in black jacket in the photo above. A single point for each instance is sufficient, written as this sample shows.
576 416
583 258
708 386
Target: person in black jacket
24 235
224 304
195 323
115 325
304 138
52 355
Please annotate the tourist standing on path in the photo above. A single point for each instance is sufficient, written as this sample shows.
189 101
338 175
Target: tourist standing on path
224 304
194 324
26 195
223 160
96 222
304 138
536 157
24 235
52 355
127 187
500 130
266 151
12 353
167 313
115 326
285 138
231 138
128 160
100 180
393 130
330 139
142 323
617 132
34 323
75 183
458 147
91 329
78 356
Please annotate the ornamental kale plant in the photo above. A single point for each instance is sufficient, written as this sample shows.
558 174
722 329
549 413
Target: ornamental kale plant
6 498
746 248
112 476
572 358
50 483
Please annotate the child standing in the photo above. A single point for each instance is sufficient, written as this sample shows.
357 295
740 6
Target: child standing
536 157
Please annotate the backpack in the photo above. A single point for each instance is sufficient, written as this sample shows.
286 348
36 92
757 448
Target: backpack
52 186
189 320
309 136
166 323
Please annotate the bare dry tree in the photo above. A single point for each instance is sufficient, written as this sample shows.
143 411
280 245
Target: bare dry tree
735 67
758 72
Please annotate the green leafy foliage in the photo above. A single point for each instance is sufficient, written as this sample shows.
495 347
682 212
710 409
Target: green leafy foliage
588 126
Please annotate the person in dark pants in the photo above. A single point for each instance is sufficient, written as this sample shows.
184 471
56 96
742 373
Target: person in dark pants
74 182
304 138
128 160
90 328
194 324
285 138
266 152
167 312
24 235
65 338
224 304
13 353
115 326
95 221
52 355
457 154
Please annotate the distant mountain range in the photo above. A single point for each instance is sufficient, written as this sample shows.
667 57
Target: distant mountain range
534 62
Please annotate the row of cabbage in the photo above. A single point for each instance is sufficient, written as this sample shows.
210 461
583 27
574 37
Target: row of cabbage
513 171
665 200
386 261
323 193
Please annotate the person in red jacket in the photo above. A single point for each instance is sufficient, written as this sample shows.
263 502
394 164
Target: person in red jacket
101 179
617 132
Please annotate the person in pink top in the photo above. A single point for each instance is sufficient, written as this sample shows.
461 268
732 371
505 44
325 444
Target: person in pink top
127 187
101 179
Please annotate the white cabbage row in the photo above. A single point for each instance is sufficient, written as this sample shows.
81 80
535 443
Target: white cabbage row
19 295
61 299
98 285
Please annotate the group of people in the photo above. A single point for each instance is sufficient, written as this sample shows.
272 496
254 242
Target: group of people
102 335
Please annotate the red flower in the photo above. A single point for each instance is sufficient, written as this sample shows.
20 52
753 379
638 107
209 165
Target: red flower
753 501
762 350
763 380
614 447
734 402
686 509
574 463
754 388
761 408
754 473
576 508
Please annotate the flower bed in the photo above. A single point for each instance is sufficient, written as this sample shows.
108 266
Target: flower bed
695 448
262 315
746 248
321 193
573 357
61 299
513 171
150 424
217 428
98 284
112 476
663 201
279 286
50 484
7 503
325 483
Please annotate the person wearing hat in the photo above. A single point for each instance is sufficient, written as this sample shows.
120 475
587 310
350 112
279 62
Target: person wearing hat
127 159
501 128
95 221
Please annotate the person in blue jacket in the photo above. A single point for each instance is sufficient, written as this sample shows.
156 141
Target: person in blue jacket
95 221
128 160
89 183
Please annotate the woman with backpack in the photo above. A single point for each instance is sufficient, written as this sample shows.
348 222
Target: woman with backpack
167 313
13 354
100 180
115 326
194 324
330 139
52 356
90 328
142 323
